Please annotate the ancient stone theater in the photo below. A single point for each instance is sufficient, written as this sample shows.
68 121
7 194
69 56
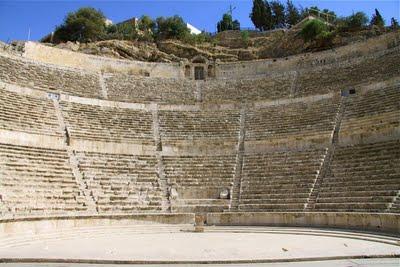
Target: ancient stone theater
201 161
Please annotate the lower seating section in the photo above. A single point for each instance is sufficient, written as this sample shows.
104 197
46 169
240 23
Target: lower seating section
295 120
199 180
192 125
278 181
247 90
129 88
373 111
121 183
108 124
339 76
363 178
37 182
24 113
48 78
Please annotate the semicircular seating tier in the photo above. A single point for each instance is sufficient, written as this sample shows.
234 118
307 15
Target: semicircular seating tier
298 141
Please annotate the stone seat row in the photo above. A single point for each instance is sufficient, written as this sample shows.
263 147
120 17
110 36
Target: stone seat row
128 88
339 76
122 183
37 179
316 118
373 110
373 102
49 78
121 125
285 186
107 123
362 177
178 125
27 114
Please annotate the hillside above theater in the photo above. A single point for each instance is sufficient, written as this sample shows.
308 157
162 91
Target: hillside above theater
227 46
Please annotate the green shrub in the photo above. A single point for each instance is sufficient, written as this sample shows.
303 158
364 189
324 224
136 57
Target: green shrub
325 39
171 28
124 31
245 37
312 29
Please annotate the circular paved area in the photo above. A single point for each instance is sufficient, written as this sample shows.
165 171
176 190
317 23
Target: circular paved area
216 244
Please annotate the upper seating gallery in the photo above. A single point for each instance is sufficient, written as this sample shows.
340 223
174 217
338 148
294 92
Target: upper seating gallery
299 82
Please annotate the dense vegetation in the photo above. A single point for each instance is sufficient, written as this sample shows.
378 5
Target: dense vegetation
89 25
227 23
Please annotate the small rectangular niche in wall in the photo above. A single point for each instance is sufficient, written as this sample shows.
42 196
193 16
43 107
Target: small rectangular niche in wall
348 92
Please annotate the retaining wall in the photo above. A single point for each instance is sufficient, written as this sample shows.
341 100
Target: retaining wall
380 222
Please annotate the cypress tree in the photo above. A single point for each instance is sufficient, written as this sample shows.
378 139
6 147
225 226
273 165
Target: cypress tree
394 24
292 13
278 14
258 14
377 19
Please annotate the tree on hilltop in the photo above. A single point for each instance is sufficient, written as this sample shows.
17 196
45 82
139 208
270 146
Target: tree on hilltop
84 25
292 14
355 22
394 24
259 14
171 28
377 19
278 14
262 15
227 23
146 23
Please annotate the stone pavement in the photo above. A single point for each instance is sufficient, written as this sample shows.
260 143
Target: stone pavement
385 262
224 246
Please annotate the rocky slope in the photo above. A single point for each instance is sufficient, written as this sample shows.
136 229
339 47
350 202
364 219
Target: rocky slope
225 46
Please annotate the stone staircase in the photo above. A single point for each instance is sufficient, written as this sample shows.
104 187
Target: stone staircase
325 170
82 185
163 182
235 190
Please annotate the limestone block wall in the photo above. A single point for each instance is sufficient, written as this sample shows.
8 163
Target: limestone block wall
237 70
382 222
61 57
